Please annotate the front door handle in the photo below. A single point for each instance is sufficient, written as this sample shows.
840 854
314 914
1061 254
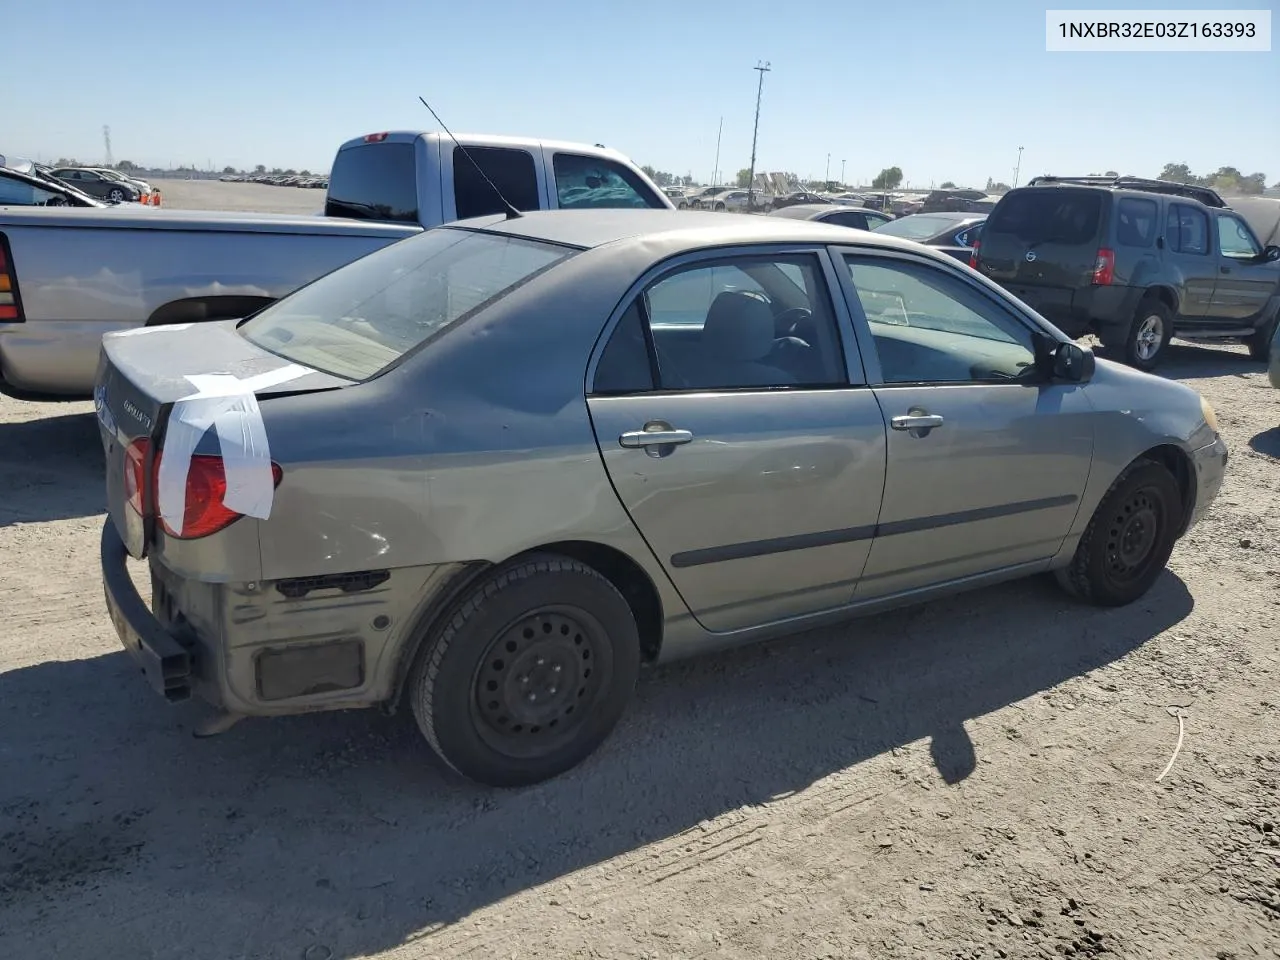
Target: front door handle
1225 269
654 438
916 421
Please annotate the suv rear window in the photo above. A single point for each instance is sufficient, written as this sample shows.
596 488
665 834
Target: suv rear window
1051 215
360 319
374 181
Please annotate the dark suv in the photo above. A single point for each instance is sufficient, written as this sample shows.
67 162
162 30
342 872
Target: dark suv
1134 261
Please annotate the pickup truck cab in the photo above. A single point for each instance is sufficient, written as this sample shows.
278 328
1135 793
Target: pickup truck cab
67 276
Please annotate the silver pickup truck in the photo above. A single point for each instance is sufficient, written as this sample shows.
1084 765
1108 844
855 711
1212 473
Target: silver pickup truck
67 276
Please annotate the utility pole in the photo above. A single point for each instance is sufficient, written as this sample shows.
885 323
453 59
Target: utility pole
715 172
1018 168
842 173
762 66
826 177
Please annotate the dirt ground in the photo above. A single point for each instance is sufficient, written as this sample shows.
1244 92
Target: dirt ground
256 197
974 778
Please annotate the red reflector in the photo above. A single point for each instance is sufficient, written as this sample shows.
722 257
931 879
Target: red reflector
8 313
973 256
205 512
375 138
1104 267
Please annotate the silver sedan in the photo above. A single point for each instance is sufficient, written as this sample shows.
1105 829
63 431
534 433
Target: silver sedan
494 469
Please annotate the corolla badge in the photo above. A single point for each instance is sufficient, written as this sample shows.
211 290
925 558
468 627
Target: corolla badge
1031 256
131 409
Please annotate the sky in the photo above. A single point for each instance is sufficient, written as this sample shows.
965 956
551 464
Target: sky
944 90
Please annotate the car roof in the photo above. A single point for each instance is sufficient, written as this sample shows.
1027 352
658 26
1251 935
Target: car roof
679 229
808 211
956 215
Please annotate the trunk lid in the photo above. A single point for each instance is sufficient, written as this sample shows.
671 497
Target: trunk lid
1044 237
143 372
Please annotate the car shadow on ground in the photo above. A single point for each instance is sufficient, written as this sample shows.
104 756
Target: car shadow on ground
51 469
338 830
1185 360
1267 442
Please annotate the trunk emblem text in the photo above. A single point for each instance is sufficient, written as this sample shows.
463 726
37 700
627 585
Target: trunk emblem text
137 414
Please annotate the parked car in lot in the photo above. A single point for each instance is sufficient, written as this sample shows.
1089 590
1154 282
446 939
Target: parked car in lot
99 185
834 213
698 195
805 197
85 272
22 186
1135 261
1273 359
955 234
493 469
142 185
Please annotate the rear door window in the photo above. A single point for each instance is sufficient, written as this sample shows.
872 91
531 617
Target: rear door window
846 218
512 172
1050 215
1136 220
593 182
1186 229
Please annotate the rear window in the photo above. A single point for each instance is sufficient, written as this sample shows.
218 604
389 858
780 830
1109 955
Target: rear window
358 320
374 181
920 227
1048 216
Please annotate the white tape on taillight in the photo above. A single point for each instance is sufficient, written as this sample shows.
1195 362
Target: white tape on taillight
229 405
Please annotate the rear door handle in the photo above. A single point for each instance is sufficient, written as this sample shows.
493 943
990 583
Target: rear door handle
1225 269
653 438
916 421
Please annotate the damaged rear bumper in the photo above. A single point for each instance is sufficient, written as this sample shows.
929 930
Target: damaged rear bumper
166 663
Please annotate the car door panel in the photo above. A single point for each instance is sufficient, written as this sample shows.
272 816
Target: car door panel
1245 282
994 476
996 484
768 511
1187 249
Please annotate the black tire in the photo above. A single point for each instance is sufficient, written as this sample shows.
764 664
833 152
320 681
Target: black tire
542 626
1129 538
1144 341
116 195
719 206
1259 343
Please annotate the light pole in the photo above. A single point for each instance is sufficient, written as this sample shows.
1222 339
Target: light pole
826 177
842 173
1018 168
762 66
715 172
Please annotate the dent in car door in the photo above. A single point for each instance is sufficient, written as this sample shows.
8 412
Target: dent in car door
982 472
759 501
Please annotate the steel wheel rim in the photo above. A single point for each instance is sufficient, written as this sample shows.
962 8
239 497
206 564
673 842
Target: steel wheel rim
1132 536
535 687
1150 333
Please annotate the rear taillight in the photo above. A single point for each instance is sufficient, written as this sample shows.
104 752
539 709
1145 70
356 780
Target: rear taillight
1104 267
205 512
375 137
10 305
135 474
973 255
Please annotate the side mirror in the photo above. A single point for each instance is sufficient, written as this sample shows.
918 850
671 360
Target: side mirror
1271 254
1073 363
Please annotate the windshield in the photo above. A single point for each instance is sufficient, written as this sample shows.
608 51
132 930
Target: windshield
1051 215
915 228
363 317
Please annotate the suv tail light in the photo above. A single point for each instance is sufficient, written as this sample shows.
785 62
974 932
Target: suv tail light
10 305
1104 267
973 254
375 137
204 511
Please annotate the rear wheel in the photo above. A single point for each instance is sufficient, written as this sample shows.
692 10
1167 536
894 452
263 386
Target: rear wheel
116 195
1259 343
530 674
1129 538
1143 343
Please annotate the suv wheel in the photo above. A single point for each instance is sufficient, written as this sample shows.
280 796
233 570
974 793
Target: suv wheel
1148 335
1259 343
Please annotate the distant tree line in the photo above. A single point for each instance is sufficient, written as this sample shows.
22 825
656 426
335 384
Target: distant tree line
1224 179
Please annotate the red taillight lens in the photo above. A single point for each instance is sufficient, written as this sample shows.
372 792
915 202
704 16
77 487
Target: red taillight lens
205 512
135 467
973 256
375 137
8 287
1104 267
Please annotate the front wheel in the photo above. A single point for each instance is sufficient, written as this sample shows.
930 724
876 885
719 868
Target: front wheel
116 195
530 674
1129 538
